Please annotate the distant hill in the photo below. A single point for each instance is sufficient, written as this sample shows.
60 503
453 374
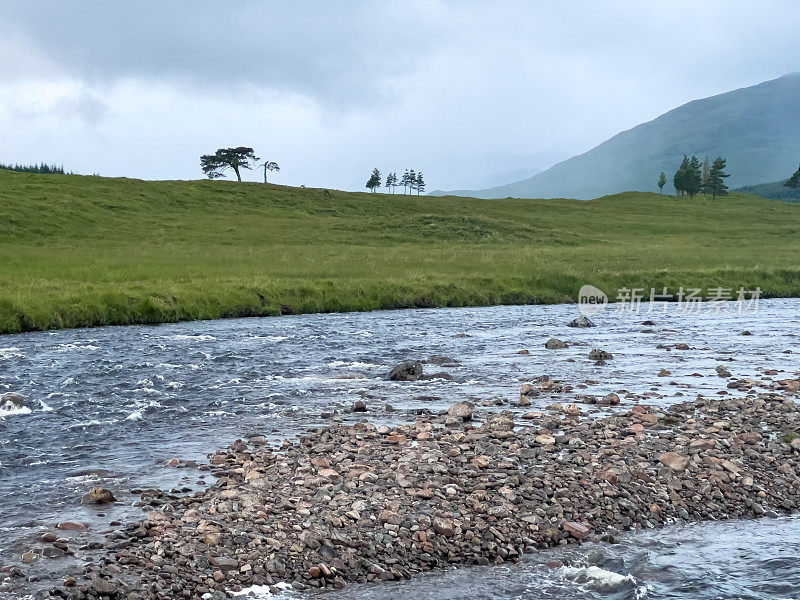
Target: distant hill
756 128
486 170
775 191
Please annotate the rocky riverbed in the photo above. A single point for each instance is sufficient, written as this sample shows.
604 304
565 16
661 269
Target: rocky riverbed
361 502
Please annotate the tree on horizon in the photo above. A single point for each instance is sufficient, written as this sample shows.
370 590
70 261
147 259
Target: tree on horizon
679 179
270 166
694 177
715 183
412 181
374 180
404 181
215 165
420 183
662 181
391 181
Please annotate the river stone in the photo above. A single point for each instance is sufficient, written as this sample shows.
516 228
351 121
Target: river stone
442 361
581 322
410 370
70 526
13 398
443 526
554 344
611 399
674 461
104 587
722 371
462 410
597 354
577 530
224 563
53 552
98 495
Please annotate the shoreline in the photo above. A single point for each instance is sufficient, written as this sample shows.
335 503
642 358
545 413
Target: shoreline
510 299
364 503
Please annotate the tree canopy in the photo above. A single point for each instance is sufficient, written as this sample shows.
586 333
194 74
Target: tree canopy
688 178
269 165
374 180
714 183
215 165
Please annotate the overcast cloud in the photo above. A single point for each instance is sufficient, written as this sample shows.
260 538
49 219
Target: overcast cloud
331 89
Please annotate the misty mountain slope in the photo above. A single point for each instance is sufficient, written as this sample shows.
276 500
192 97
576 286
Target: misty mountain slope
756 128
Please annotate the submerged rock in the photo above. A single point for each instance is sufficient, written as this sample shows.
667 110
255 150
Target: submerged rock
98 495
597 354
442 361
410 370
581 322
13 399
554 344
722 371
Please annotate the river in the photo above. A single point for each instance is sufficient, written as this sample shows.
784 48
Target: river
110 406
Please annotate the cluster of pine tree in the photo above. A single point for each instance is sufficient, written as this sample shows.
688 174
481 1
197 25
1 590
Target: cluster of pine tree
411 181
692 178
40 168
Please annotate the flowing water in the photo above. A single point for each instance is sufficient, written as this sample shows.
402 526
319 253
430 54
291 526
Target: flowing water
110 406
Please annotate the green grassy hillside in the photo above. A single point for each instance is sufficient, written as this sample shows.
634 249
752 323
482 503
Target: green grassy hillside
85 251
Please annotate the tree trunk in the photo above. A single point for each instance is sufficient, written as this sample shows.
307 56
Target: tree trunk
236 170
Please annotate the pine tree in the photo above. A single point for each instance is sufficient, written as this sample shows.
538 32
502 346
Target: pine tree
390 181
793 181
405 181
680 177
694 177
215 165
662 181
715 184
374 180
420 183
412 181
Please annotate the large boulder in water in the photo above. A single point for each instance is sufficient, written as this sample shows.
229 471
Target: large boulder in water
98 495
462 410
14 399
554 344
581 321
410 370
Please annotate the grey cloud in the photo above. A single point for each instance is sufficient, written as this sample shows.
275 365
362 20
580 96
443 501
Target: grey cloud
337 52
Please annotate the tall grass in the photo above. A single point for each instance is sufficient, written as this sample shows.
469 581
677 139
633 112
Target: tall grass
86 251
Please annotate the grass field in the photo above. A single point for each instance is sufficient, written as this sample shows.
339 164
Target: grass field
85 251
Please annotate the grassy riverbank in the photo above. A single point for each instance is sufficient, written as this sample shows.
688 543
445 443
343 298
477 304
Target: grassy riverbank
83 251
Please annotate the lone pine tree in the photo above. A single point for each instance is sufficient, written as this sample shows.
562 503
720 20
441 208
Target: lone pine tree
215 165
715 182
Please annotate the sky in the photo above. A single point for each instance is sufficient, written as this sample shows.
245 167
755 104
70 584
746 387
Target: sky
460 90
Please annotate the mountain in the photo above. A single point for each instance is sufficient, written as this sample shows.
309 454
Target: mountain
486 170
756 128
